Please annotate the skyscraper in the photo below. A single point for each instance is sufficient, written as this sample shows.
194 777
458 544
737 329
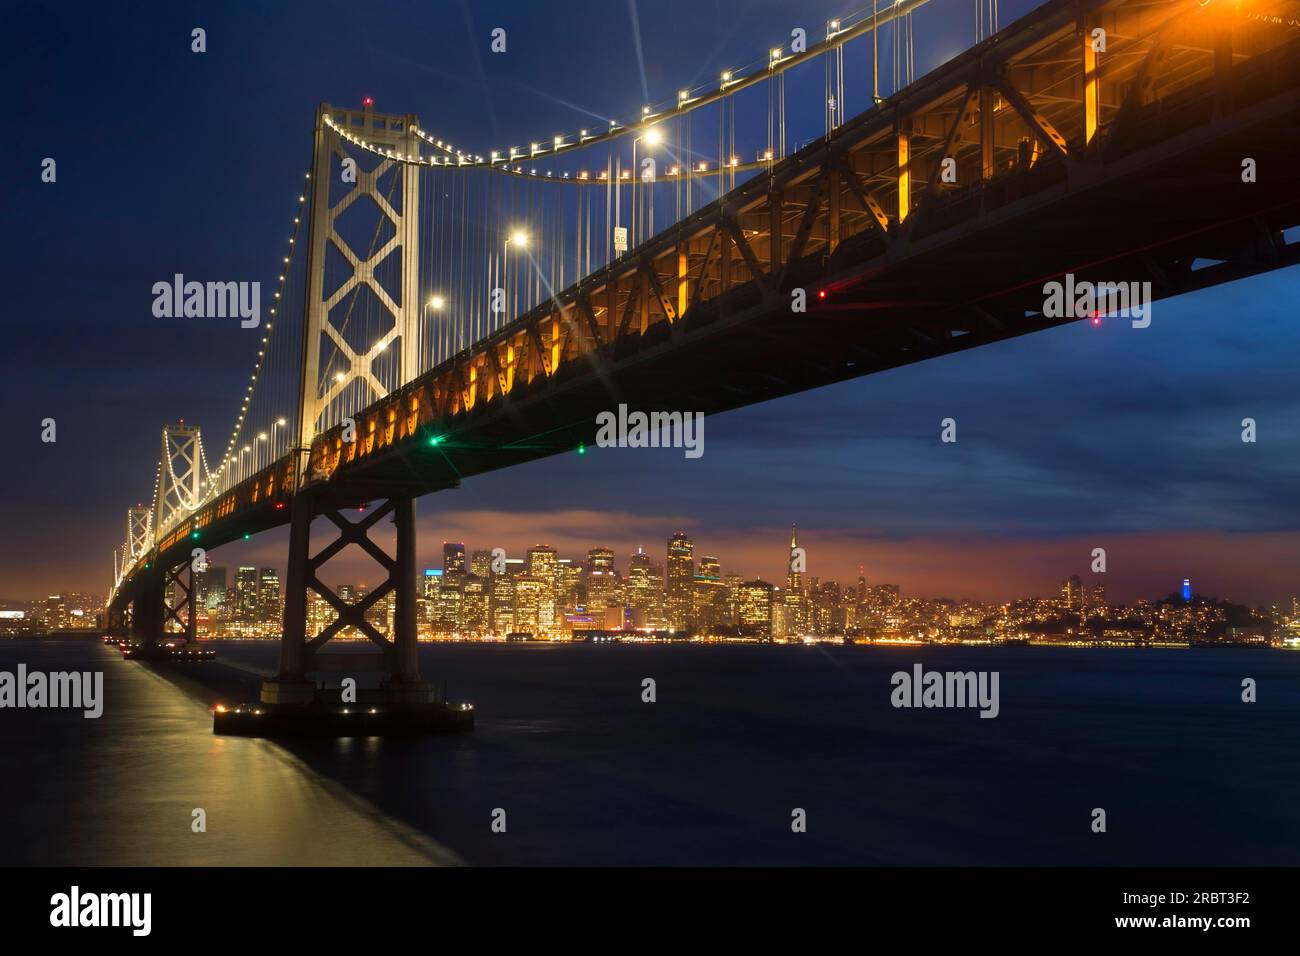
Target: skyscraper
246 594
756 609
709 595
679 578
268 596
1072 593
543 565
642 589
530 593
602 579
481 563
568 587
210 587
453 558
503 603
796 601
474 606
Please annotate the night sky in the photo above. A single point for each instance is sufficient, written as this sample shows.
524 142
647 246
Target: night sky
169 161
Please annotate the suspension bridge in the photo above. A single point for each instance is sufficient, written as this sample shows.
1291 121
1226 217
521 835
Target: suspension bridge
442 313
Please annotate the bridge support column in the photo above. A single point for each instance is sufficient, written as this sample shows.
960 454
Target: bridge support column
147 610
301 649
293 636
117 621
185 611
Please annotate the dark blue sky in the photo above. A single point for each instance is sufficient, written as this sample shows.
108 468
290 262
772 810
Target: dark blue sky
174 162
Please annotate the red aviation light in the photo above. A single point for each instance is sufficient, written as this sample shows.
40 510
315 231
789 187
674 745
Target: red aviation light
368 101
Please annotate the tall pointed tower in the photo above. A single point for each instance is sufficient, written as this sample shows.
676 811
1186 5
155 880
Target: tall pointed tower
796 602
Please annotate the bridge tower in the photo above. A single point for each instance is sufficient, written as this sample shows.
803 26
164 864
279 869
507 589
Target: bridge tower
387 132
179 490
301 650
180 478
139 530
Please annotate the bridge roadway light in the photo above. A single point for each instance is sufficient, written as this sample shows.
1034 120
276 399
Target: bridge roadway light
436 302
278 423
518 238
654 136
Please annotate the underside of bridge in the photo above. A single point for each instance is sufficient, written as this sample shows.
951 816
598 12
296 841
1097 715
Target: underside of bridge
703 318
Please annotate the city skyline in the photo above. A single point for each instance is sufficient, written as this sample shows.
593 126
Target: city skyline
1030 567
485 592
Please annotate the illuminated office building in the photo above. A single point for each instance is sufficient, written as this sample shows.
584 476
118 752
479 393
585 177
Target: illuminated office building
568 586
453 559
1072 593
320 614
756 609
530 596
380 615
269 609
481 563
643 588
543 566
602 579
246 594
709 596
210 587
445 613
679 581
502 607
475 605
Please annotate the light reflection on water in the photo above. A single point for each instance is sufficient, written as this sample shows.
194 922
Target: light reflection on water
120 790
